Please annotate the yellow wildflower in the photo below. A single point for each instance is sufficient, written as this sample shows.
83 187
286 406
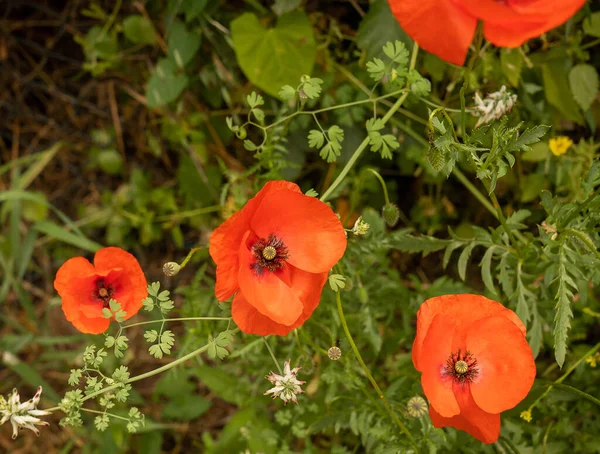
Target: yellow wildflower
593 360
559 145
526 415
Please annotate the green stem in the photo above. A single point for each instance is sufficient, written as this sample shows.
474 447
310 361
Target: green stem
474 56
189 257
501 217
112 415
182 319
399 423
404 91
188 214
579 392
585 239
385 191
473 190
272 355
365 142
149 374
590 352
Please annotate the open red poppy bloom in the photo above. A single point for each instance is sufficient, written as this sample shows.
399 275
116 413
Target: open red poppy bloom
447 27
86 289
475 362
274 255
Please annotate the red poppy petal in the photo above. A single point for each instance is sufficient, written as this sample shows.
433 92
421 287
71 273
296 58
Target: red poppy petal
71 306
111 258
266 292
463 309
481 425
74 268
250 321
225 240
505 362
510 25
449 38
437 347
311 231
308 287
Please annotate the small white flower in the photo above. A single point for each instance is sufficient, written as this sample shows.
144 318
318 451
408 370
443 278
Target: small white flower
287 386
360 227
494 106
22 415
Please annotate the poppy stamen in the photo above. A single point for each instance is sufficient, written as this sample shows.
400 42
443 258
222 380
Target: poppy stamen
462 367
103 292
270 254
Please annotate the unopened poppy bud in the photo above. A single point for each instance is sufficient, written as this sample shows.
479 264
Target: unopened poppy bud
171 269
391 214
334 353
416 407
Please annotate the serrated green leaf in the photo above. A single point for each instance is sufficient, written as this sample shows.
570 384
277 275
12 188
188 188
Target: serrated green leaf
463 260
106 313
486 272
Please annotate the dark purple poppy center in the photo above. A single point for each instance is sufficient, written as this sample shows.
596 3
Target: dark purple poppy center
103 292
270 254
462 367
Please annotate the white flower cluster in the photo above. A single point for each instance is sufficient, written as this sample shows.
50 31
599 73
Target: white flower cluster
22 415
287 386
494 106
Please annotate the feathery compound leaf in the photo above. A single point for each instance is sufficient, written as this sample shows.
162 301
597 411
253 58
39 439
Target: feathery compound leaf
529 137
564 295
404 241
486 273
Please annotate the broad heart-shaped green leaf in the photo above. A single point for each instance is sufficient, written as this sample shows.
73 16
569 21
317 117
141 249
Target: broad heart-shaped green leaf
165 85
558 93
584 84
378 27
182 44
274 57
139 30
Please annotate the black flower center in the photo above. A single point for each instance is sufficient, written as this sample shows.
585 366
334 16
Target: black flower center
103 292
269 254
462 367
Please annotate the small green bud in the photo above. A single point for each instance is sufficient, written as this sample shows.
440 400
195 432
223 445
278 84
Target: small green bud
391 214
171 269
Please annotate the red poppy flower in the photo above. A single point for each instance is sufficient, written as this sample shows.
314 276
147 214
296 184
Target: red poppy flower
274 255
475 362
86 289
446 27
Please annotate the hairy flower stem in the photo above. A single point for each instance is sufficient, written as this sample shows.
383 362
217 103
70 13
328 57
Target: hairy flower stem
365 142
180 319
383 186
474 56
149 374
399 423
584 239
590 352
272 355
